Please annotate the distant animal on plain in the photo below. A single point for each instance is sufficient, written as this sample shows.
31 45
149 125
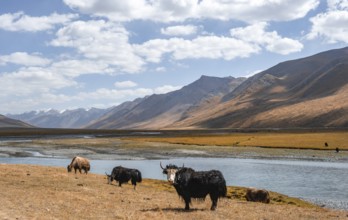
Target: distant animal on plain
189 184
326 144
337 150
257 195
79 163
123 175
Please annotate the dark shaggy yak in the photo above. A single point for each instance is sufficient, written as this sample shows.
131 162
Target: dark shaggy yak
198 184
257 195
123 175
79 163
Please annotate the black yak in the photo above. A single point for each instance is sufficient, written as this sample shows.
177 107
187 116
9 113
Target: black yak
198 184
79 163
257 195
123 175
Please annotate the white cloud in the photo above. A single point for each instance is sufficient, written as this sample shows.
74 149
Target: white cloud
244 42
31 81
25 59
166 88
125 84
102 41
210 47
160 69
21 22
180 10
257 34
114 94
74 68
332 25
257 10
180 30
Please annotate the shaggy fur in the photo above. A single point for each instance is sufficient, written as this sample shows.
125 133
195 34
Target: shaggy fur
257 195
191 184
79 163
123 175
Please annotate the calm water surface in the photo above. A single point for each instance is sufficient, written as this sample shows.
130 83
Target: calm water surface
325 183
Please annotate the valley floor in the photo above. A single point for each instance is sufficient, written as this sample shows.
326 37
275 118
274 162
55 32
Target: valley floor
39 192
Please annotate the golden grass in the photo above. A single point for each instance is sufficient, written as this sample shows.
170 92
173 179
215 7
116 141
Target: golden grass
38 192
291 140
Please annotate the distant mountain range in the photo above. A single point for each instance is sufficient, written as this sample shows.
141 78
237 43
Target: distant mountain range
76 118
304 93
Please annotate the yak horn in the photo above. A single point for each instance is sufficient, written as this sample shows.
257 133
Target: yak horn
161 165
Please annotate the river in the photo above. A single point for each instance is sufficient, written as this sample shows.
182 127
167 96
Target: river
322 182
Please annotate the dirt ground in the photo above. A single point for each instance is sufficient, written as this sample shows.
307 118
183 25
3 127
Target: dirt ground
38 192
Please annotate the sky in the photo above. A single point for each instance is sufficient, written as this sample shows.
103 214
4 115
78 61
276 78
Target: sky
67 54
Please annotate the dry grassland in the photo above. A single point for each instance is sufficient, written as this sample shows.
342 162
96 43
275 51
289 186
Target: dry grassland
292 140
38 192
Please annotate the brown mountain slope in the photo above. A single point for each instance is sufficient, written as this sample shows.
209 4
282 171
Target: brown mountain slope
309 92
160 111
11 123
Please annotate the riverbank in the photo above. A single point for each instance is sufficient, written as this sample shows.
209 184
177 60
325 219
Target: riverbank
52 193
154 148
136 149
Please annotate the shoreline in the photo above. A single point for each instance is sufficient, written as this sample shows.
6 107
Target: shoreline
116 148
30 194
39 192
120 149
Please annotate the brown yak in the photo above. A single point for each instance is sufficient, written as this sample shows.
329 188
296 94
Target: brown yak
79 163
257 195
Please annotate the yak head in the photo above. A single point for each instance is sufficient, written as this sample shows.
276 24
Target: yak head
69 168
109 177
170 170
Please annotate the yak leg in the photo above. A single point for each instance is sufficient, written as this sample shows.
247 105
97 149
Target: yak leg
134 183
187 202
214 199
120 184
187 205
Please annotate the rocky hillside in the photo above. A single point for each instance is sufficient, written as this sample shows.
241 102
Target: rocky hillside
160 111
308 92
6 122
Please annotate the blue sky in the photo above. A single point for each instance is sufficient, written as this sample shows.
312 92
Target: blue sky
66 54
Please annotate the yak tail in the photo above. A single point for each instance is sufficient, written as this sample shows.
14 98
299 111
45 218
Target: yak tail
222 189
136 176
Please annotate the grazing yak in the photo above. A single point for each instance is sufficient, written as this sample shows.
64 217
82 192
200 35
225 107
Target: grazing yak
79 163
257 195
196 184
123 175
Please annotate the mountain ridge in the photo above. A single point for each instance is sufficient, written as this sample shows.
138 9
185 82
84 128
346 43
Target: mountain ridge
310 92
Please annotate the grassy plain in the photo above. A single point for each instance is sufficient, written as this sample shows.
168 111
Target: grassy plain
36 192
39 192
289 140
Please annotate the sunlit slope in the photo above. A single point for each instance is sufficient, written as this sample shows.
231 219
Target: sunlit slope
309 92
